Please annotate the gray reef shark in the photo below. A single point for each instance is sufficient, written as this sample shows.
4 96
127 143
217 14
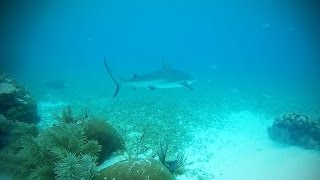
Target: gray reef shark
165 78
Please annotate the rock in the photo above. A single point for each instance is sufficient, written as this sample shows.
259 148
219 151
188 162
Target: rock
7 88
2 118
16 102
293 116
287 116
136 169
313 142
296 129
287 123
12 131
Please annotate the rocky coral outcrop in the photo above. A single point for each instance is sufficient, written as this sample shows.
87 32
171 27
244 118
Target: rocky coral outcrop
296 129
136 169
15 101
12 131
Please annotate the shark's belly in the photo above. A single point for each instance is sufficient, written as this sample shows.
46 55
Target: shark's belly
173 84
156 84
168 85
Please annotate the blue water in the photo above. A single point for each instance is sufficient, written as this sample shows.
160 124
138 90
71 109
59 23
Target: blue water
267 46
224 40
260 58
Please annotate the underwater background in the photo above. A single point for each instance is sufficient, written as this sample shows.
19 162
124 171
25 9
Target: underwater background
253 62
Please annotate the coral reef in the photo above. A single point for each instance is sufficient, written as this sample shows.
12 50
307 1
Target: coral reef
69 150
296 129
61 151
73 167
96 129
18 112
16 102
12 131
136 169
107 136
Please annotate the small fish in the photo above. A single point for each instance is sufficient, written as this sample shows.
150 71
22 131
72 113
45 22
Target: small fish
55 84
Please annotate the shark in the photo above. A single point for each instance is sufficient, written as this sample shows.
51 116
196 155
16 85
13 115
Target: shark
164 78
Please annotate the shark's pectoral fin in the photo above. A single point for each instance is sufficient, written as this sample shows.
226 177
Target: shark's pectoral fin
152 88
187 86
117 90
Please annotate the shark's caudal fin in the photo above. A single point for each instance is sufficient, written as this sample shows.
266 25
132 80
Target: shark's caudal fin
114 78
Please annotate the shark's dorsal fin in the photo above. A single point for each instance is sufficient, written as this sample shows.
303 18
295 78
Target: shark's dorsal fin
134 76
165 65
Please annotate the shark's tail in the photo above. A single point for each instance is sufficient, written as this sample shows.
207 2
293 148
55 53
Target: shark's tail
114 78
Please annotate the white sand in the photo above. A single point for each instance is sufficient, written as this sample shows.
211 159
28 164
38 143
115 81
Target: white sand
47 110
243 151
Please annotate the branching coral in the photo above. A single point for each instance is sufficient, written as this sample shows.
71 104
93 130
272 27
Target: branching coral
44 156
76 167
66 116
36 157
68 150
71 137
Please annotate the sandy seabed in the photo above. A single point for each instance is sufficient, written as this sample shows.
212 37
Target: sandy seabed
238 148
243 151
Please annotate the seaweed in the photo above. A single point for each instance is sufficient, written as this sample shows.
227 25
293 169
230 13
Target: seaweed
76 167
40 156
71 137
66 116
41 172
139 145
43 156
14 165
69 150
176 165
12 131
